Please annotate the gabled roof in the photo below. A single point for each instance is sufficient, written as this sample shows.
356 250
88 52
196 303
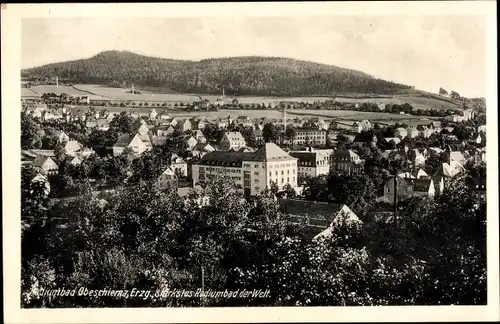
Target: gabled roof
123 140
305 157
271 152
421 185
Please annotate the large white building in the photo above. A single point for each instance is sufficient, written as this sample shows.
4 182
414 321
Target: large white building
312 163
251 171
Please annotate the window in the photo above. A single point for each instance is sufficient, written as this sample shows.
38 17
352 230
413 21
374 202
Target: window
256 173
256 165
287 171
282 180
256 181
282 172
276 173
270 174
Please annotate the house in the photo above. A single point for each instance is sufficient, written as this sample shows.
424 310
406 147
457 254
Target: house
184 125
232 140
401 132
481 129
244 121
308 136
200 124
53 115
347 161
412 132
320 218
46 164
71 147
178 165
479 139
311 163
164 130
167 178
134 142
85 152
61 136
194 195
363 125
198 135
153 114
141 128
396 140
259 137
468 114
191 142
252 172
164 115
102 125
91 122
455 118
404 189
480 188
222 123
75 161
419 158
423 187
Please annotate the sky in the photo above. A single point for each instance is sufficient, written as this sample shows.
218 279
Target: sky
427 52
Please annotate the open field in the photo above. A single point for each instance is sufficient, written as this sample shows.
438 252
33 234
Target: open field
162 94
341 115
28 93
121 94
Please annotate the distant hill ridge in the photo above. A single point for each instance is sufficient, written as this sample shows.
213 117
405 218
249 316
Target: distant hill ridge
248 75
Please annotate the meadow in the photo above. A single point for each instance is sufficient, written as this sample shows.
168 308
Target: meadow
122 94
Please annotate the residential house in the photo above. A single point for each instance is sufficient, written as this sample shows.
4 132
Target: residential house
71 147
91 122
102 125
232 140
132 141
46 164
153 114
412 132
164 115
401 132
178 165
244 121
404 189
363 125
347 161
481 129
308 136
184 125
480 188
455 118
423 187
321 218
396 140
199 136
191 142
61 136
419 158
53 115
85 152
259 137
167 178
75 161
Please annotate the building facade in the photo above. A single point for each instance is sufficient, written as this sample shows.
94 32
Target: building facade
252 172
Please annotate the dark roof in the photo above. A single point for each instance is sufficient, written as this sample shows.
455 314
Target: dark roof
302 157
319 213
421 185
227 158
123 140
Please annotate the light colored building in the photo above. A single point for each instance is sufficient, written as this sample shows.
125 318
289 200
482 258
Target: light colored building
307 136
401 132
363 125
321 218
167 178
251 171
71 147
198 135
46 164
134 142
191 142
311 163
153 114
232 140
347 161
178 165
61 136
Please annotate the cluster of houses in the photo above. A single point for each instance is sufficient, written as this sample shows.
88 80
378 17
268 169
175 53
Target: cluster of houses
44 159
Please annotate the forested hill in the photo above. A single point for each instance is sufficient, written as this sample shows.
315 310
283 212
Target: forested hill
238 75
